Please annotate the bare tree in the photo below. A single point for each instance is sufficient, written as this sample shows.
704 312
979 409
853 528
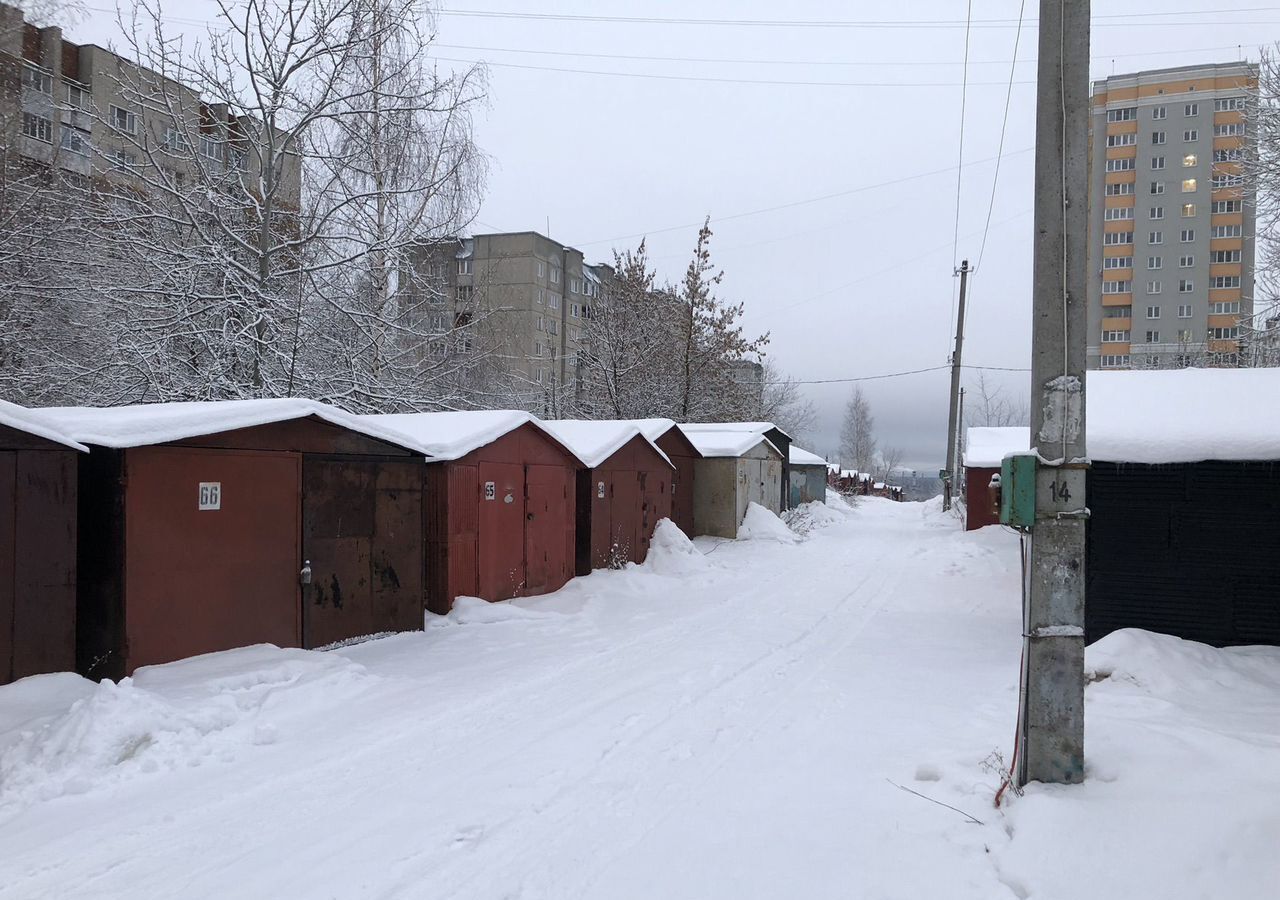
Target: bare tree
888 459
992 407
783 403
857 436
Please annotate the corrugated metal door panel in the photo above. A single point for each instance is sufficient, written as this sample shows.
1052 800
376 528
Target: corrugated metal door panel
203 580
462 548
500 537
44 592
362 533
624 523
8 523
548 533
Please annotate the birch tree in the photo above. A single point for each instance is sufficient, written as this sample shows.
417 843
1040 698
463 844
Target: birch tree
857 438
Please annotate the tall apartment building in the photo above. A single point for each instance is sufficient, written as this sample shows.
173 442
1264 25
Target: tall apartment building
88 112
1171 220
537 292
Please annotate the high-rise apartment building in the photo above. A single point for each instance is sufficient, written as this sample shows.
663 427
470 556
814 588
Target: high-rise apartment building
535 293
89 112
1171 221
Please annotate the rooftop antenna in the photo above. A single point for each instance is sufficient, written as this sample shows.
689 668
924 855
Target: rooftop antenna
548 226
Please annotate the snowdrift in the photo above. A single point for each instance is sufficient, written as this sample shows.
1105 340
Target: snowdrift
809 517
672 553
761 524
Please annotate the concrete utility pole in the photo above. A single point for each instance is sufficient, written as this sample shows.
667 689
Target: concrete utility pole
952 420
1052 696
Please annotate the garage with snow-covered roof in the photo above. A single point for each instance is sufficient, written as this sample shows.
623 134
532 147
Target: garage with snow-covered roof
808 476
985 448
779 439
1184 501
623 491
211 525
499 518
737 468
37 544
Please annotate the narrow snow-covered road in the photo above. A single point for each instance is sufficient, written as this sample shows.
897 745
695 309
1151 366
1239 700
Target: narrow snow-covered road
729 726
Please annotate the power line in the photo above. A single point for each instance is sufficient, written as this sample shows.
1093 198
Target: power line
631 57
1004 125
1098 21
964 94
885 375
723 80
792 204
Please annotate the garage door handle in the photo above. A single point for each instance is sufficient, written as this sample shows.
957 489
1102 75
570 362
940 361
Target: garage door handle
304 576
529 516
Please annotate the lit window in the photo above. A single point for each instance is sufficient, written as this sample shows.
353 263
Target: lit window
1188 185
1190 159
1188 210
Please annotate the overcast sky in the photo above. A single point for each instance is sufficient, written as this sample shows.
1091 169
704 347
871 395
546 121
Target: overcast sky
859 283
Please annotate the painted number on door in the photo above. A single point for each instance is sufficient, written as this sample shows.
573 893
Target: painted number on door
211 495
600 490
490 490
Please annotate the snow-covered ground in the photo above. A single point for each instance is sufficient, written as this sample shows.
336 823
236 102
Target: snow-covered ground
729 723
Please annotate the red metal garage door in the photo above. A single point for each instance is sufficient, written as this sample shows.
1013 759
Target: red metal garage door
212 578
362 534
549 518
624 525
500 554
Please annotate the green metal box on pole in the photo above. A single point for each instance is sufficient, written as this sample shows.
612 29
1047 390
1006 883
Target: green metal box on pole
1018 490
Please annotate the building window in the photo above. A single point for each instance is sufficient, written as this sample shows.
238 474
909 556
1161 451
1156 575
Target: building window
1153 337
1228 104
1222 282
1112 238
464 293
211 148
1155 237
1117 262
1156 212
542 324
1225 206
1120 165
37 79
1231 129
123 120
553 301
575 310
1224 334
1159 112
1222 156
1157 137
1153 312
1190 135
1115 337
1115 361
37 127
78 97
175 140
1188 235
1157 162
1184 311
1186 262
1157 187
1185 286
1224 256
553 327
1224 307
123 161
1154 287
1122 140
542 269
1117 213
1189 160
1120 190
1188 210
1184 337
575 285
1224 231
1155 262
1128 114
464 267
1117 312
555 274
75 140
1225 181
1117 287
1191 109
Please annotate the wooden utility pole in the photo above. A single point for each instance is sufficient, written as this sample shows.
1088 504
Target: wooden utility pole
949 478
1051 740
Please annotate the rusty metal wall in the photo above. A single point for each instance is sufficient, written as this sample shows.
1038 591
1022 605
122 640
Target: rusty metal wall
684 457
500 550
636 486
978 509
37 561
549 528
199 580
362 537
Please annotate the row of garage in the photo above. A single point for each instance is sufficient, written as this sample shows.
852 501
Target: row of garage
131 536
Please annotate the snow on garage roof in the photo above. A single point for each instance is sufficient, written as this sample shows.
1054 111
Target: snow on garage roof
725 443
32 421
455 433
986 446
805 458
741 427
145 424
595 441
1183 415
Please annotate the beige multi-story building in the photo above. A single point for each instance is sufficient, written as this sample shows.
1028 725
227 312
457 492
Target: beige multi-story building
1171 217
536 293
96 114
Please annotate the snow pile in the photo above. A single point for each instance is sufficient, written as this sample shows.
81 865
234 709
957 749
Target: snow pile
839 502
672 553
1166 666
809 517
761 524
477 611
164 718
986 447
